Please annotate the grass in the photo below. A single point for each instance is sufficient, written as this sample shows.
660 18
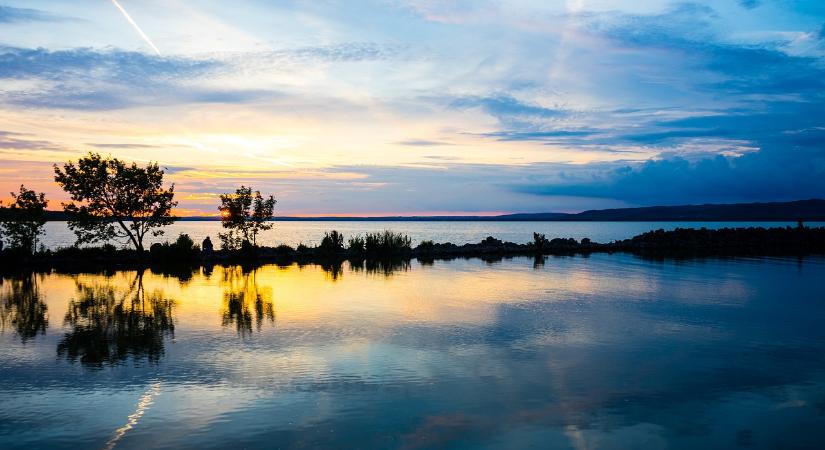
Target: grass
387 243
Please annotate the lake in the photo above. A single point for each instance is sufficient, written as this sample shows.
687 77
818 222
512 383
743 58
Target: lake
605 351
311 232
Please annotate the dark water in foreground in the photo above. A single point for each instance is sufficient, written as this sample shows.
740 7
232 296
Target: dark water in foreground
609 351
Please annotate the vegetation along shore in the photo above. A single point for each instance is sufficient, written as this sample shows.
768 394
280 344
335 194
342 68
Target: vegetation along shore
116 205
390 247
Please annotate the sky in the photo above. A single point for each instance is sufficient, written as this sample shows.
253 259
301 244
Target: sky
416 107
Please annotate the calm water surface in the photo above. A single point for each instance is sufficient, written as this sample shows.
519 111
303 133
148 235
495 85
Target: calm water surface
609 351
311 232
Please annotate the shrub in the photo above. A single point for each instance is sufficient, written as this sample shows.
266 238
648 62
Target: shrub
284 249
333 242
183 249
491 241
89 253
540 241
185 243
386 243
356 244
426 246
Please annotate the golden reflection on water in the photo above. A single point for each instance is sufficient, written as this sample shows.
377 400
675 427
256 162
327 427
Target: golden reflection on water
242 295
111 318
22 307
248 299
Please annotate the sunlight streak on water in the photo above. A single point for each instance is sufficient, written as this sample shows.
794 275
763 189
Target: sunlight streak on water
146 401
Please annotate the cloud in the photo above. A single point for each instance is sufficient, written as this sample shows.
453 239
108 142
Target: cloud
100 65
101 80
88 79
506 107
539 135
511 112
421 143
343 52
121 146
108 79
10 14
750 4
19 141
757 99
453 12
751 177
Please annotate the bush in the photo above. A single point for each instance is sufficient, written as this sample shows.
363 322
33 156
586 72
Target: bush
333 242
185 243
248 248
90 253
284 249
183 249
540 241
426 246
303 249
357 244
386 243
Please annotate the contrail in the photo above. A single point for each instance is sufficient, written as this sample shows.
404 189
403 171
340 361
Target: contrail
137 28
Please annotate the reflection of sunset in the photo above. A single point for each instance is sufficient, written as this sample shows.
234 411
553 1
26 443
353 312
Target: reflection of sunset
465 347
311 297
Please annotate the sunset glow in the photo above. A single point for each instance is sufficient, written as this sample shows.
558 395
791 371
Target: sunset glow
422 107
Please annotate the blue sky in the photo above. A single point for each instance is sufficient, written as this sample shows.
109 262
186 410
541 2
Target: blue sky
424 107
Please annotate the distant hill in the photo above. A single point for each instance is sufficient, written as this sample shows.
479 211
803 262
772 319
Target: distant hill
779 211
808 210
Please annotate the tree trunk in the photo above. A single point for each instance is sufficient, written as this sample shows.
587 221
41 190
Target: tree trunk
138 245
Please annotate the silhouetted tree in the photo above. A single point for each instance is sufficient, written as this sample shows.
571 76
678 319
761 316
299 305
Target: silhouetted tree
24 220
22 308
244 216
116 200
540 241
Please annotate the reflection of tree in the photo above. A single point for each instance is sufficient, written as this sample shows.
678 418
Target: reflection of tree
333 269
22 308
241 296
382 266
108 326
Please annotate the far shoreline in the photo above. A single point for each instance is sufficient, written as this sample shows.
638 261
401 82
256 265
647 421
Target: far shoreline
812 210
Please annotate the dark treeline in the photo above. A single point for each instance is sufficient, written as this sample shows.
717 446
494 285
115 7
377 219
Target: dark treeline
390 249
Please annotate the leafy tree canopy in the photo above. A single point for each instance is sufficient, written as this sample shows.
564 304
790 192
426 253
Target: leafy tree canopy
24 219
244 215
115 200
